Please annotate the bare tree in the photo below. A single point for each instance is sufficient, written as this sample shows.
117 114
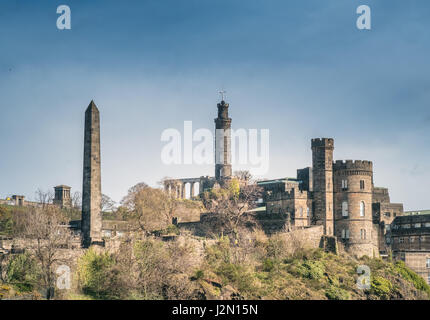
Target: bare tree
231 205
77 200
44 197
46 233
149 208
107 204
243 175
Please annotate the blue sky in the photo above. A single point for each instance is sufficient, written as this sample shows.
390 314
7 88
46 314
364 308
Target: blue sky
299 68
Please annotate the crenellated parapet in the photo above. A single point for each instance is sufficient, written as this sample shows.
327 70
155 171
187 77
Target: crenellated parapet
322 143
289 195
353 166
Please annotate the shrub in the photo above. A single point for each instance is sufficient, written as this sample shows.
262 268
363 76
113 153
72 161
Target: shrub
96 275
335 293
381 287
311 270
23 272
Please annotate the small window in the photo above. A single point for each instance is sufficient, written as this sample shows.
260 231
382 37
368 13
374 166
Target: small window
417 225
345 234
427 224
406 226
428 279
362 208
307 211
387 227
401 240
361 184
344 184
387 214
428 263
345 209
363 234
301 212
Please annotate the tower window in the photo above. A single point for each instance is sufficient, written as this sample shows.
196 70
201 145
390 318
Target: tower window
362 208
344 209
362 184
345 234
344 184
363 234
307 211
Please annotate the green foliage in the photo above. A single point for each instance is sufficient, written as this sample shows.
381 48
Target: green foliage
234 187
418 282
219 253
268 265
171 229
236 274
95 274
311 269
6 221
381 287
23 272
335 293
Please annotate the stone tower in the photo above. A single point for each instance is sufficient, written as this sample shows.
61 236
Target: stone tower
322 170
353 188
223 143
62 196
91 191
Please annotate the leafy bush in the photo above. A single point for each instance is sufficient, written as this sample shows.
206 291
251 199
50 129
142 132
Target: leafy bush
96 275
381 287
335 293
23 272
311 270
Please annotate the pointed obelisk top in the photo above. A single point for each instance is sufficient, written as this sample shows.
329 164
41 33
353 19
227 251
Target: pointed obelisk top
92 107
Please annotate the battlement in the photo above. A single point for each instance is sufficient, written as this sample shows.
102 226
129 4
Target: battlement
294 193
353 164
322 143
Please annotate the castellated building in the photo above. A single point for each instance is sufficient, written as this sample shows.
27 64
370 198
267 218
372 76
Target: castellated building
340 196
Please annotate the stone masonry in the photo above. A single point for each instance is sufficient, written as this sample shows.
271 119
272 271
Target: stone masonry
91 191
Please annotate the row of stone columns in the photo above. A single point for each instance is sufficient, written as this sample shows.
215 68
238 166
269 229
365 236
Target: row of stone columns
177 189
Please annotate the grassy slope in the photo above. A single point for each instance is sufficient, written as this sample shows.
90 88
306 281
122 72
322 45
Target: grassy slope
314 274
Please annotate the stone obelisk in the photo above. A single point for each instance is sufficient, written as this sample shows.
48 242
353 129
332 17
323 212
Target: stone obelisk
91 191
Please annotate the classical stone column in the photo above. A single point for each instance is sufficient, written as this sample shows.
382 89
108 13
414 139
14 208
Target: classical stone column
91 223
192 190
183 193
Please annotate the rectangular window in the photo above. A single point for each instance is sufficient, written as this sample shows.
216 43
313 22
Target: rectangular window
417 225
344 184
345 234
428 279
406 226
401 240
428 263
387 214
344 208
427 224
362 184
363 234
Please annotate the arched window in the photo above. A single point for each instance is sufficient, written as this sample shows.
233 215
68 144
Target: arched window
362 209
345 208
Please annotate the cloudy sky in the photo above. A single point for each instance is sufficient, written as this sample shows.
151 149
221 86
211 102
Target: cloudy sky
298 68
